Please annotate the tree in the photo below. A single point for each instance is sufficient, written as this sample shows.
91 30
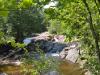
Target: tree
26 17
96 37
79 20
26 22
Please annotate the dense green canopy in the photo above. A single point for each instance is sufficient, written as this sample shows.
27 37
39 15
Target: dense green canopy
76 19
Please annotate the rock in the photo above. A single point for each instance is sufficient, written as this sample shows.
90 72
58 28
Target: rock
55 44
43 36
59 38
64 53
3 74
48 44
61 51
71 52
27 41
73 55
57 47
88 73
11 62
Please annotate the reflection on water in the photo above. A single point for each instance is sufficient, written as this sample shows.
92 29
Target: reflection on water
65 68
68 68
10 69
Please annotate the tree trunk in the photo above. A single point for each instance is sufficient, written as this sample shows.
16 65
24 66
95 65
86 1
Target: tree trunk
97 4
95 36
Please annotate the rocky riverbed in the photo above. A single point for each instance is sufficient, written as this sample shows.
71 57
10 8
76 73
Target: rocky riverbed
53 46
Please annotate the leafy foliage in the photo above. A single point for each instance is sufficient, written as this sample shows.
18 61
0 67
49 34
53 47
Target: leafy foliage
39 63
24 19
20 18
26 22
71 18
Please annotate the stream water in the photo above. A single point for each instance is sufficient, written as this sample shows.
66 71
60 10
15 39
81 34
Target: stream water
10 70
65 68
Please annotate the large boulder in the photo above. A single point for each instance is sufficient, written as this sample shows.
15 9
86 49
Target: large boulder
71 52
